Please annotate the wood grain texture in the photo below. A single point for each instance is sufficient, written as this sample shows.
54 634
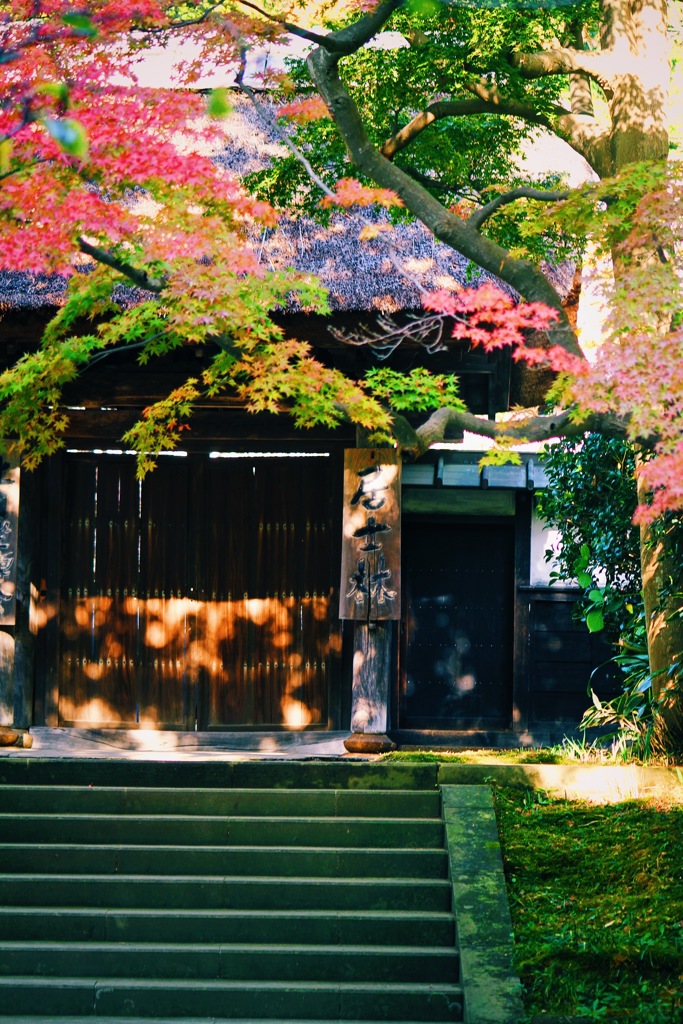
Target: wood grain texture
370 587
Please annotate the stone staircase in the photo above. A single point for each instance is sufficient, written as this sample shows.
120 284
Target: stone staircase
244 892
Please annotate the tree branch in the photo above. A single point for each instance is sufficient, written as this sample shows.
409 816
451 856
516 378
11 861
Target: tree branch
480 216
522 275
24 167
186 23
274 127
564 60
486 101
578 127
293 29
311 172
346 40
416 441
138 277
462 189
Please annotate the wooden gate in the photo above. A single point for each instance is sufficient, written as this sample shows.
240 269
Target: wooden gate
202 597
457 650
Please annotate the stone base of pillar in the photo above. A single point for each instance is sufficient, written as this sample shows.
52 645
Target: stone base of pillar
369 743
14 738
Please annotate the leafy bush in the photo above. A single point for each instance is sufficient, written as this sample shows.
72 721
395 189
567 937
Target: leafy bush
591 498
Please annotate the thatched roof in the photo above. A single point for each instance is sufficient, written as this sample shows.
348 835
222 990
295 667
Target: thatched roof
386 274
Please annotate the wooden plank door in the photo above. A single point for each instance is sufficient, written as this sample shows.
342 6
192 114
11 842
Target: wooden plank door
98 615
202 597
165 605
265 624
123 605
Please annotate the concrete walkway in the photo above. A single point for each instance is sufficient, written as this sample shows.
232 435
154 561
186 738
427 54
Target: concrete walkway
157 745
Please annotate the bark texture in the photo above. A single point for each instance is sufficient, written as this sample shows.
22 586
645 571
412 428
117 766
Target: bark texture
661 574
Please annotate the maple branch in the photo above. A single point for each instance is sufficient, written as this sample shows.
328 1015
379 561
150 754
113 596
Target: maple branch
187 23
107 352
527 279
464 190
440 109
295 30
343 42
578 127
487 100
564 60
138 277
310 171
272 124
480 216
24 167
348 40
415 441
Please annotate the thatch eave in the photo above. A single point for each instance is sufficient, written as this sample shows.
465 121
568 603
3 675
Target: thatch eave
389 273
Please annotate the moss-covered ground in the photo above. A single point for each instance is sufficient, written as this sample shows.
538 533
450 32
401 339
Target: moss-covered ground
542 755
568 752
595 891
596 895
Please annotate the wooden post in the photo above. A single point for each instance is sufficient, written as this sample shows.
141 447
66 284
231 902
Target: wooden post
9 515
371 688
370 588
27 598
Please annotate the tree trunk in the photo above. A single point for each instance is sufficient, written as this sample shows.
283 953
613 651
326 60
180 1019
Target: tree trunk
661 571
636 33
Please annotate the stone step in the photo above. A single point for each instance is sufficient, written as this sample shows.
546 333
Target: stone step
208 773
210 802
313 862
230 893
264 1000
220 892
428 964
73 924
33 1019
199 830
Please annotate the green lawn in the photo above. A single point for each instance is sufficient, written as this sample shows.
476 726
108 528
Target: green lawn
596 894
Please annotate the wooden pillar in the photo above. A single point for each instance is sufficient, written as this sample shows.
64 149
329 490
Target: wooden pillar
371 689
9 515
27 597
370 590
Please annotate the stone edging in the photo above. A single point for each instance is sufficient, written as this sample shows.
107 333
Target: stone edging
492 990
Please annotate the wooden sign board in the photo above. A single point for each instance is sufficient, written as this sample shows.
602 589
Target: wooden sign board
371 542
9 519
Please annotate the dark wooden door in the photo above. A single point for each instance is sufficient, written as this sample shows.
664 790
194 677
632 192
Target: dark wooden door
457 650
200 598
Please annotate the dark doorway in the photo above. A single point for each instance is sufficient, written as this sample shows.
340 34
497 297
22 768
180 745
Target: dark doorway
200 598
457 650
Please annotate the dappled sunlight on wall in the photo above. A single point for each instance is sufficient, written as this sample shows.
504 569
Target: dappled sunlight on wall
148 662
199 598
90 712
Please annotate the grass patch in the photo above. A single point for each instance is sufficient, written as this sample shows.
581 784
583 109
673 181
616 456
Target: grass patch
543 755
596 895
568 752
